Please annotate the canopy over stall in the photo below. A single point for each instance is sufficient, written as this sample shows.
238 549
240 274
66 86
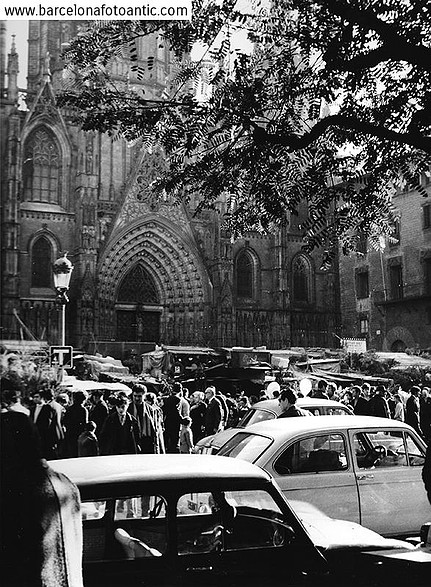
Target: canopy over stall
74 384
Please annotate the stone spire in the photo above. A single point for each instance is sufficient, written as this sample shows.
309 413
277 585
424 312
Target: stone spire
12 72
2 57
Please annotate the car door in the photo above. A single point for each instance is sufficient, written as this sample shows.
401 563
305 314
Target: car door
388 466
125 541
241 537
317 469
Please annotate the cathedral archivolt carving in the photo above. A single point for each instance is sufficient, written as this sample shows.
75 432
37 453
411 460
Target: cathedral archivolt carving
172 264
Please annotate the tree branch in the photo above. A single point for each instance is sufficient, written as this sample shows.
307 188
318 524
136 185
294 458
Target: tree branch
393 42
360 62
296 142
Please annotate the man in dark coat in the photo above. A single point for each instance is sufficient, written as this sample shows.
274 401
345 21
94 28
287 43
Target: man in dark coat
321 390
412 409
120 433
75 419
40 516
214 413
45 418
172 421
378 405
360 402
287 401
149 419
100 411
425 413
136 409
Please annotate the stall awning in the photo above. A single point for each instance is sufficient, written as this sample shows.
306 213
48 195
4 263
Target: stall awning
191 350
404 361
351 378
75 384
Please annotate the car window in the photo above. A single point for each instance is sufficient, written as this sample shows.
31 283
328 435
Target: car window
326 452
416 454
327 410
380 448
245 446
213 522
92 510
140 527
255 415
337 411
316 411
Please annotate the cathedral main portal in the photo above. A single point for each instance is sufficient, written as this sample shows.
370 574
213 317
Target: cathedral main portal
153 286
138 307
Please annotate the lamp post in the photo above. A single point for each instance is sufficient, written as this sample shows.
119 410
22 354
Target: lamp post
62 270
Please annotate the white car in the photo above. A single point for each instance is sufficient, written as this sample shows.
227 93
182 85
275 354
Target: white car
358 468
268 410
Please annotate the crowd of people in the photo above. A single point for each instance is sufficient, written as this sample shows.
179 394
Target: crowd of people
70 424
412 407
76 424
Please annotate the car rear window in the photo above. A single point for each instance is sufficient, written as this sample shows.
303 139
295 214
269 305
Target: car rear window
255 415
329 410
245 446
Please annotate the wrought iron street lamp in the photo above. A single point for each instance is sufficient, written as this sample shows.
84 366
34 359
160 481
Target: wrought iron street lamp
62 269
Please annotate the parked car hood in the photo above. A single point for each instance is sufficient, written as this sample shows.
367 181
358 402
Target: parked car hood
330 534
219 439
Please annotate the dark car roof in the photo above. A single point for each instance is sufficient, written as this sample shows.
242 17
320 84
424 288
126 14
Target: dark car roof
111 475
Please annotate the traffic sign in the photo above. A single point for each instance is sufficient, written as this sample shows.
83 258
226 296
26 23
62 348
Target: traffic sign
61 356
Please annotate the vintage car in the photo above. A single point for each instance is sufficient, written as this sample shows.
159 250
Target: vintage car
202 520
358 468
268 410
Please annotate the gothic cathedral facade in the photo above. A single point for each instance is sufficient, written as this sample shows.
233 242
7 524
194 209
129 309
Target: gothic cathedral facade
145 270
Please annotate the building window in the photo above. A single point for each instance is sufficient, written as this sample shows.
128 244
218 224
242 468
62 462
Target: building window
396 282
363 325
138 287
41 263
362 286
362 246
41 168
427 216
244 275
301 280
394 238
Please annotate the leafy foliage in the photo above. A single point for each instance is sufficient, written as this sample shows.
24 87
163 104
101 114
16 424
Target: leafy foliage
333 106
27 375
369 364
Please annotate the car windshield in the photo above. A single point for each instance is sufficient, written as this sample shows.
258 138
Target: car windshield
245 446
255 415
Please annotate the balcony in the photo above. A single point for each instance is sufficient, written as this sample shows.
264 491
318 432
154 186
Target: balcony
408 293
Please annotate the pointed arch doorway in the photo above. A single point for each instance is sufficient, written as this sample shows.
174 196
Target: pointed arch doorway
138 308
